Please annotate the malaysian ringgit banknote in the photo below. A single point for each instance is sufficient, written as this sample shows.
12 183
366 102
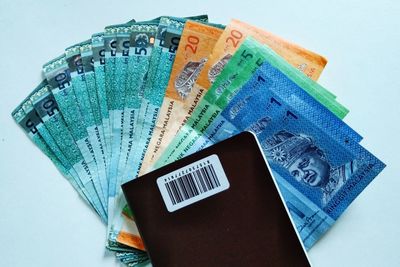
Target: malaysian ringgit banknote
306 89
237 71
90 78
59 79
116 93
110 45
317 161
108 95
74 61
46 107
240 109
116 42
141 42
56 134
161 60
117 47
196 44
27 117
162 57
98 51
230 40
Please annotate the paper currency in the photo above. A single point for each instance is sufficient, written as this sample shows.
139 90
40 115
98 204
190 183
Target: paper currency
55 132
162 58
89 76
27 117
319 169
141 43
116 93
240 68
142 94
196 44
307 90
230 40
98 52
59 79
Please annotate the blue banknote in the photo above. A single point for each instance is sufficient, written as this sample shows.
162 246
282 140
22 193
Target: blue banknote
249 96
319 166
238 71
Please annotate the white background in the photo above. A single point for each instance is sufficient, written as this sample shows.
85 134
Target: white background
44 223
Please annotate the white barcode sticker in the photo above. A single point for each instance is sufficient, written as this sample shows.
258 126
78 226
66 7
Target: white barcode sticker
192 183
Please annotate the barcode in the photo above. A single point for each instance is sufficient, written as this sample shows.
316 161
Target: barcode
192 183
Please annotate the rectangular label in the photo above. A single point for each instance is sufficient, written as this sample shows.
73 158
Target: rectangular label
192 183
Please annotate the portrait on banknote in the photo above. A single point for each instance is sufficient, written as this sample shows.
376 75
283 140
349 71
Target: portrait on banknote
308 163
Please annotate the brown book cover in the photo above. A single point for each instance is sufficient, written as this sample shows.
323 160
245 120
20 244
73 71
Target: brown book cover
217 207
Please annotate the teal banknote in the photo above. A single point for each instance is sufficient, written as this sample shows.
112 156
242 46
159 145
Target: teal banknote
59 79
153 90
162 58
78 80
116 93
116 41
160 64
110 45
90 78
141 43
98 51
27 117
53 128
132 258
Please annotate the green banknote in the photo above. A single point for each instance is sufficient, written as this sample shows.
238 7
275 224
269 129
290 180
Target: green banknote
236 73
58 77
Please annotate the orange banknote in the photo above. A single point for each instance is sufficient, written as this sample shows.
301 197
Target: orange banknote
196 44
200 59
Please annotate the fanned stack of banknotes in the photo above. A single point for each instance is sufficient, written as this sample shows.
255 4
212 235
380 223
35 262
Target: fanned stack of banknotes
143 94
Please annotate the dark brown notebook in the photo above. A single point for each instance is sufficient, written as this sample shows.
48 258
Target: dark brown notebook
217 207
